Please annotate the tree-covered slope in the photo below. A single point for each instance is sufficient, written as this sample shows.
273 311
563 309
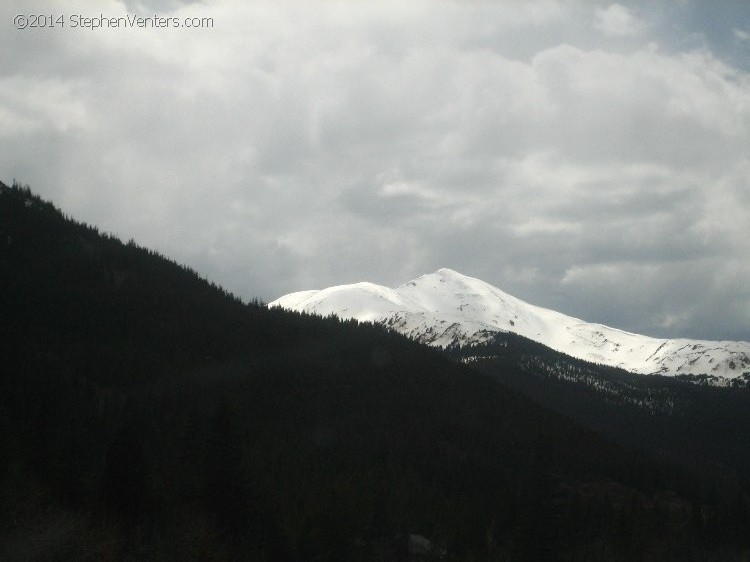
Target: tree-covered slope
146 414
704 427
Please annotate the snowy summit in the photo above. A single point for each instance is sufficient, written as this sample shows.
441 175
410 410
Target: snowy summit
446 307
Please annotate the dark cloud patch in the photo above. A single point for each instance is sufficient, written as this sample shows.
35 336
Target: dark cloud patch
383 206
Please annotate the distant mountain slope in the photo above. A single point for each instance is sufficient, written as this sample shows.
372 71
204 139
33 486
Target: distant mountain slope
446 308
700 425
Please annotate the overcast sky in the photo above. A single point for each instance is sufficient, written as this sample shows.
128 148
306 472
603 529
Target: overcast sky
589 157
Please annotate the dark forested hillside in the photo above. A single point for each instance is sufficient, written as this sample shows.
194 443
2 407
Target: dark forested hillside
701 426
146 414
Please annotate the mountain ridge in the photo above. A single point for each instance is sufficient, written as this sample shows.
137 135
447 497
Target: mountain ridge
446 308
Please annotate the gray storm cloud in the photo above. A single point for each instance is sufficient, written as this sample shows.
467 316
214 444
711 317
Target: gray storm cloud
588 157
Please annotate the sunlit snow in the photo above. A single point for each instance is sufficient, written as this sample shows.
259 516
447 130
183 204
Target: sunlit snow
446 307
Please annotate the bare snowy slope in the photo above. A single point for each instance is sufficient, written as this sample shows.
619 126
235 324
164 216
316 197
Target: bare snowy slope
446 307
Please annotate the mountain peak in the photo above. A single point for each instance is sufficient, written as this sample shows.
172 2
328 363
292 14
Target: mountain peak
450 272
447 308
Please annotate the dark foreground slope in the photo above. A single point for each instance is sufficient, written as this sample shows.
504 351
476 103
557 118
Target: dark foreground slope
145 414
701 427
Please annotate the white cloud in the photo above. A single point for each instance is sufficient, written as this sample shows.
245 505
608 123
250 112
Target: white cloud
616 21
28 105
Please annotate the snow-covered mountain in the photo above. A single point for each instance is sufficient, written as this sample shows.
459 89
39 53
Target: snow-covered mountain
446 307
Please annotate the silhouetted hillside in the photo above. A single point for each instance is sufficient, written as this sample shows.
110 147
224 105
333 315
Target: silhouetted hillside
703 427
146 414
